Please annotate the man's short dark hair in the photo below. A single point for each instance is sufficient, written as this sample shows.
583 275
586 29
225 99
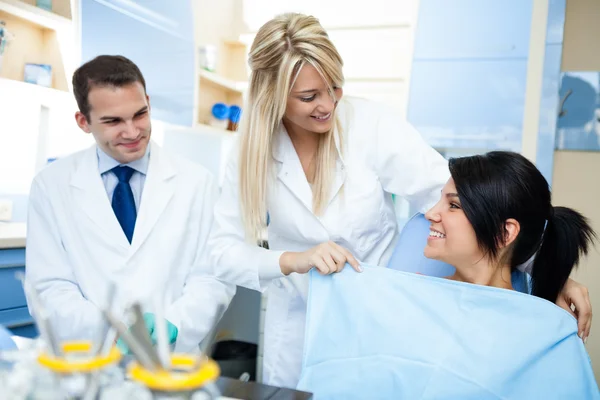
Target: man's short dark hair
102 71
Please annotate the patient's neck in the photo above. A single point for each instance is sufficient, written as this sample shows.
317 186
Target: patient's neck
484 273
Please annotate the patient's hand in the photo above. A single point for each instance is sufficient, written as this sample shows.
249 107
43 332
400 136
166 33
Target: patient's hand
578 295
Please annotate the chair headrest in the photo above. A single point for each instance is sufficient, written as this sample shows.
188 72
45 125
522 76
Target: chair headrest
408 255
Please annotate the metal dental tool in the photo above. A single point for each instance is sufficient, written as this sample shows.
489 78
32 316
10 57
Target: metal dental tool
140 332
162 341
41 316
135 347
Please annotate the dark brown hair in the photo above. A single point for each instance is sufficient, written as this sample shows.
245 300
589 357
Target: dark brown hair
105 70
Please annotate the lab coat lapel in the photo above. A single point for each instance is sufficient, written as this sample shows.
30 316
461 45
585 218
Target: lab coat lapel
340 172
338 180
159 188
89 193
290 170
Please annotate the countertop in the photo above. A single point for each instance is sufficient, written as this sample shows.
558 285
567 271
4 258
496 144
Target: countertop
12 235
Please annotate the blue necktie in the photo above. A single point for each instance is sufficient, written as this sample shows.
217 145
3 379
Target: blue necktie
123 203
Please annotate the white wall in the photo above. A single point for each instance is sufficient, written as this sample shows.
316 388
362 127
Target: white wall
36 124
216 21
575 180
535 76
575 184
582 30
375 40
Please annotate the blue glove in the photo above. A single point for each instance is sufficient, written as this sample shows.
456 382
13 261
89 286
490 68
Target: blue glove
150 322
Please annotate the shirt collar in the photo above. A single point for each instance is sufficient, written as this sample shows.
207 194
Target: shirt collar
282 146
106 162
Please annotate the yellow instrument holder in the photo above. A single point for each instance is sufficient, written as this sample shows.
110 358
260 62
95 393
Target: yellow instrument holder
64 366
176 381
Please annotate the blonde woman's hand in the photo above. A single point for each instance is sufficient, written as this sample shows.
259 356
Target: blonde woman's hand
327 258
576 294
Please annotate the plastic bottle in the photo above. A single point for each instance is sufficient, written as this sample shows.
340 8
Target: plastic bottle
220 115
235 114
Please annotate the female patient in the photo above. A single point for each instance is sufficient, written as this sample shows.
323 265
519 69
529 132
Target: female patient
427 338
494 214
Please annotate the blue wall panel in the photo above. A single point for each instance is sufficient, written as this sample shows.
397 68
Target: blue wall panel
469 75
556 22
549 104
159 37
469 104
549 110
473 29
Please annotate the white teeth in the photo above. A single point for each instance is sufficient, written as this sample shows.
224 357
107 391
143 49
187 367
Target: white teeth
323 117
436 234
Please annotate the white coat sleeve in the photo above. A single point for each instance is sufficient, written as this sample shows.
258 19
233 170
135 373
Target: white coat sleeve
233 258
48 269
204 297
406 165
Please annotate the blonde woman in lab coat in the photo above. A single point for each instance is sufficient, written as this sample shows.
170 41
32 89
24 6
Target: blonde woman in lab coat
323 168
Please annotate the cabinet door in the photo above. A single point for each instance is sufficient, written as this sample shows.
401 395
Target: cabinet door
159 37
14 314
12 261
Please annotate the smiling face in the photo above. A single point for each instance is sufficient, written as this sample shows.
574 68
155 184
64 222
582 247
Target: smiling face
119 120
451 237
310 106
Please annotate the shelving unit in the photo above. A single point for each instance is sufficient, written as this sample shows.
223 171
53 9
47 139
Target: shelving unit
39 37
225 85
235 88
214 130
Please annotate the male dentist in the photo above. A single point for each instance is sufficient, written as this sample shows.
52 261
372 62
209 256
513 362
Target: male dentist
124 211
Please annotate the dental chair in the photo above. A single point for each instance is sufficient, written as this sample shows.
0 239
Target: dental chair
408 255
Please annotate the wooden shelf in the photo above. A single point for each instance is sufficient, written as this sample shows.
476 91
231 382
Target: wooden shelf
234 43
215 130
37 37
214 88
45 95
224 83
227 85
34 15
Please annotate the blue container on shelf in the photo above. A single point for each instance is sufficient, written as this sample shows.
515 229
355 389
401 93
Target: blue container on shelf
220 115
235 113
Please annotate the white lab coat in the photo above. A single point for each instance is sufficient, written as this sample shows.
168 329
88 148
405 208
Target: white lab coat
382 155
75 245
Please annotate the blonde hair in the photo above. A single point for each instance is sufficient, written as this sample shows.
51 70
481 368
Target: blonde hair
280 49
